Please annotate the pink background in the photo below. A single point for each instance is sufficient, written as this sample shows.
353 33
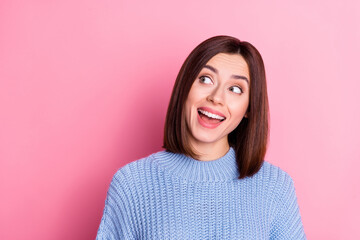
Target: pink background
84 87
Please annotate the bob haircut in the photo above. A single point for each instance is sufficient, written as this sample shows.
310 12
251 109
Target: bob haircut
249 139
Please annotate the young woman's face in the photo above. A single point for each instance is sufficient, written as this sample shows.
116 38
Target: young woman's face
218 100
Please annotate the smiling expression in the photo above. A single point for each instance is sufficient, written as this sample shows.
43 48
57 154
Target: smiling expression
217 101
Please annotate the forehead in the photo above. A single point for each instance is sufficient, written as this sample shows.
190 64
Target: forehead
226 63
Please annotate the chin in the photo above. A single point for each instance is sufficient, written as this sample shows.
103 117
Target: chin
207 138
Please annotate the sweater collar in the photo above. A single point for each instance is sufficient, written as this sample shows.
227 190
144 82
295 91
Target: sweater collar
182 166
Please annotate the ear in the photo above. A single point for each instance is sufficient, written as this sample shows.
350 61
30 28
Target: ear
246 115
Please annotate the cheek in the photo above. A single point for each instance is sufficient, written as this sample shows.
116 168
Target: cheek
238 110
188 108
191 100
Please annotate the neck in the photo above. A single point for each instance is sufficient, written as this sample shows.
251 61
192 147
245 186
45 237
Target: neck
210 151
184 167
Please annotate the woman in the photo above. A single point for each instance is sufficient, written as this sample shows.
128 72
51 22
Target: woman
212 181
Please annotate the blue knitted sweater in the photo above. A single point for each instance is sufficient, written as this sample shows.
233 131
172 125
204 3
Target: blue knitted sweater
172 196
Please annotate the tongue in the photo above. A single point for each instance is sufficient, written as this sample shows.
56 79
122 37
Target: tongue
208 120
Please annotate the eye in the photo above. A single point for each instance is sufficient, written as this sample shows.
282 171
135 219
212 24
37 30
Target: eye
205 79
236 89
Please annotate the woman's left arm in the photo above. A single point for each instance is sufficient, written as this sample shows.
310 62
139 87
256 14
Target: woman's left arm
287 223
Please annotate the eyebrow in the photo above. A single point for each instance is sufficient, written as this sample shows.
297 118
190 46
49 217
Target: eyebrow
232 76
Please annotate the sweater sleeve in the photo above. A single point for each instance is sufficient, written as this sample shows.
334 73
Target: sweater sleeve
116 222
287 223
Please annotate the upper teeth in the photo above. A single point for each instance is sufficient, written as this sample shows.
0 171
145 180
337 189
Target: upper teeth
211 115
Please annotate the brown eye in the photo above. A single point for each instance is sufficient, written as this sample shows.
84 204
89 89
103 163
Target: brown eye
205 79
236 89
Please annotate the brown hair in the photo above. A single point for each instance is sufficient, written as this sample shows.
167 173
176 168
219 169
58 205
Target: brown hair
249 139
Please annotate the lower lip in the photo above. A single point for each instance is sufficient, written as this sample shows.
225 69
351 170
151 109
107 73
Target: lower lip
206 124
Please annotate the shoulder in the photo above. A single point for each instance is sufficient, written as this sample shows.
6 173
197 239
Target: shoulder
275 180
274 173
137 168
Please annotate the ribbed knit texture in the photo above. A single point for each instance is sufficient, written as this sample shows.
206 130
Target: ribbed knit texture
172 196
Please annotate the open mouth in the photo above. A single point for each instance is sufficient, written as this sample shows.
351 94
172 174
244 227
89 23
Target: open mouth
210 117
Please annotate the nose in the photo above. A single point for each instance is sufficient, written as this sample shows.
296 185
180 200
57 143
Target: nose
216 96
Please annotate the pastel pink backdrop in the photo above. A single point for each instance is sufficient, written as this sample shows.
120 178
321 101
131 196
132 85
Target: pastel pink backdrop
84 87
